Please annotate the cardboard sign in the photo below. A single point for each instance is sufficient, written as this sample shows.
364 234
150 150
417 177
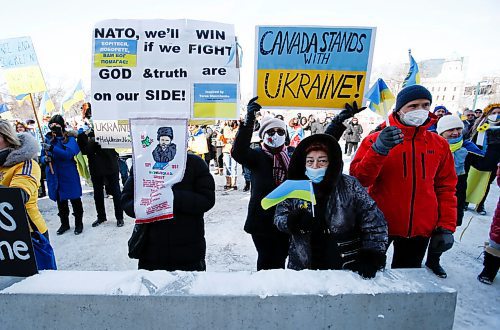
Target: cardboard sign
159 148
20 64
161 68
16 251
312 67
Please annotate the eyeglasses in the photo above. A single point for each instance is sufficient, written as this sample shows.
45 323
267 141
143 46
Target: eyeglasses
321 162
271 132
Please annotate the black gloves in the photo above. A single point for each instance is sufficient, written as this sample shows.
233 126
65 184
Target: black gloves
387 139
369 262
252 108
441 240
300 221
349 112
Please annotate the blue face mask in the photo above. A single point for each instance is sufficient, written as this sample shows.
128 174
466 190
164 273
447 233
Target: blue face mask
455 140
316 175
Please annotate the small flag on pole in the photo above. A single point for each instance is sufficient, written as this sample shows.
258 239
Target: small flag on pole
301 189
381 98
46 104
413 76
76 95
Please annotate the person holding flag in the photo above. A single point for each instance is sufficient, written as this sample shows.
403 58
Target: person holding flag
340 226
410 173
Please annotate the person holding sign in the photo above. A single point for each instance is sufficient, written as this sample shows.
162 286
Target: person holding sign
19 169
177 243
269 167
344 229
410 173
64 183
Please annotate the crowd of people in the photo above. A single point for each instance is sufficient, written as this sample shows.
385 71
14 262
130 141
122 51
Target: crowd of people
409 184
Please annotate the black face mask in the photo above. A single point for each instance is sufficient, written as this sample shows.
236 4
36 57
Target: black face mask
57 130
3 156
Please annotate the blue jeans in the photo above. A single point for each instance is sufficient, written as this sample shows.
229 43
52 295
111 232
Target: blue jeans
230 165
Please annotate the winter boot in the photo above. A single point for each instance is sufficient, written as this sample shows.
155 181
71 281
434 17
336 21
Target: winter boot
433 264
228 183
491 265
247 186
64 224
120 223
98 222
78 223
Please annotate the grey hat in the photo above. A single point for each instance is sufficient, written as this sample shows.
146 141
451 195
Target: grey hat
165 131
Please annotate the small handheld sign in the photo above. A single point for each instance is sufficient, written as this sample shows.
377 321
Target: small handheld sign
17 257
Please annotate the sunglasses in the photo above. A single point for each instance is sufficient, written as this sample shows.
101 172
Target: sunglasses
478 112
470 115
271 132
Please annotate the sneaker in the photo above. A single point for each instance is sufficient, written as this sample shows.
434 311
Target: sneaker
480 210
120 223
227 187
437 269
98 222
62 229
234 188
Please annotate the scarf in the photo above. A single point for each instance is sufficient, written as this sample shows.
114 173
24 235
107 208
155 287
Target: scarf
281 160
456 144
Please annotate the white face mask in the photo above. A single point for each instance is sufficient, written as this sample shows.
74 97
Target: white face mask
274 141
415 117
493 118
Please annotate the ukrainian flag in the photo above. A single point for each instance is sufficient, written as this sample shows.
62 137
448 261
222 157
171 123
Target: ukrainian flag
46 104
413 76
22 97
73 97
301 189
381 98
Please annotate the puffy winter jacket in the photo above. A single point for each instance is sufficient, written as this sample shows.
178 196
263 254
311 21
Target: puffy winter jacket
65 183
414 185
20 171
349 221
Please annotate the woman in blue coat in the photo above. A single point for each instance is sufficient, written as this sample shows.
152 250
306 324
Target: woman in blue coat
59 150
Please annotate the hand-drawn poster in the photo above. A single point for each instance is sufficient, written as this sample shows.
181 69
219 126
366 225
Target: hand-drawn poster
159 148
312 67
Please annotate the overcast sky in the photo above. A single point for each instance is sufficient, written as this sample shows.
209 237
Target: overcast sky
61 32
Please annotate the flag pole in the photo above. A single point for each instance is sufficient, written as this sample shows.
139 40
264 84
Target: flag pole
40 129
312 196
387 124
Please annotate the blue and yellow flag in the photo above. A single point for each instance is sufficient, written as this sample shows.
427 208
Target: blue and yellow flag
76 95
381 98
21 98
413 76
46 104
301 189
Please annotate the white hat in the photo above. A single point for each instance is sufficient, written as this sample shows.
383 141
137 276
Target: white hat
449 122
270 122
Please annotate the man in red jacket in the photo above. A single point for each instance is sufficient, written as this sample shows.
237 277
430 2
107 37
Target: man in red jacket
410 173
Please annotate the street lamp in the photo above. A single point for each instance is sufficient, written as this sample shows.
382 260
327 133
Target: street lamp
477 93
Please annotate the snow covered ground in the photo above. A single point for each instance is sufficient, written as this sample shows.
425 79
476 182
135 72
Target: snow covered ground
229 248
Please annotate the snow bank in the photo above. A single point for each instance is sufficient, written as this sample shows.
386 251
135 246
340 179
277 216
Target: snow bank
263 284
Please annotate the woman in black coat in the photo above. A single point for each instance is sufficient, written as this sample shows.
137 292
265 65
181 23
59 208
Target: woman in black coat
347 231
268 164
178 243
